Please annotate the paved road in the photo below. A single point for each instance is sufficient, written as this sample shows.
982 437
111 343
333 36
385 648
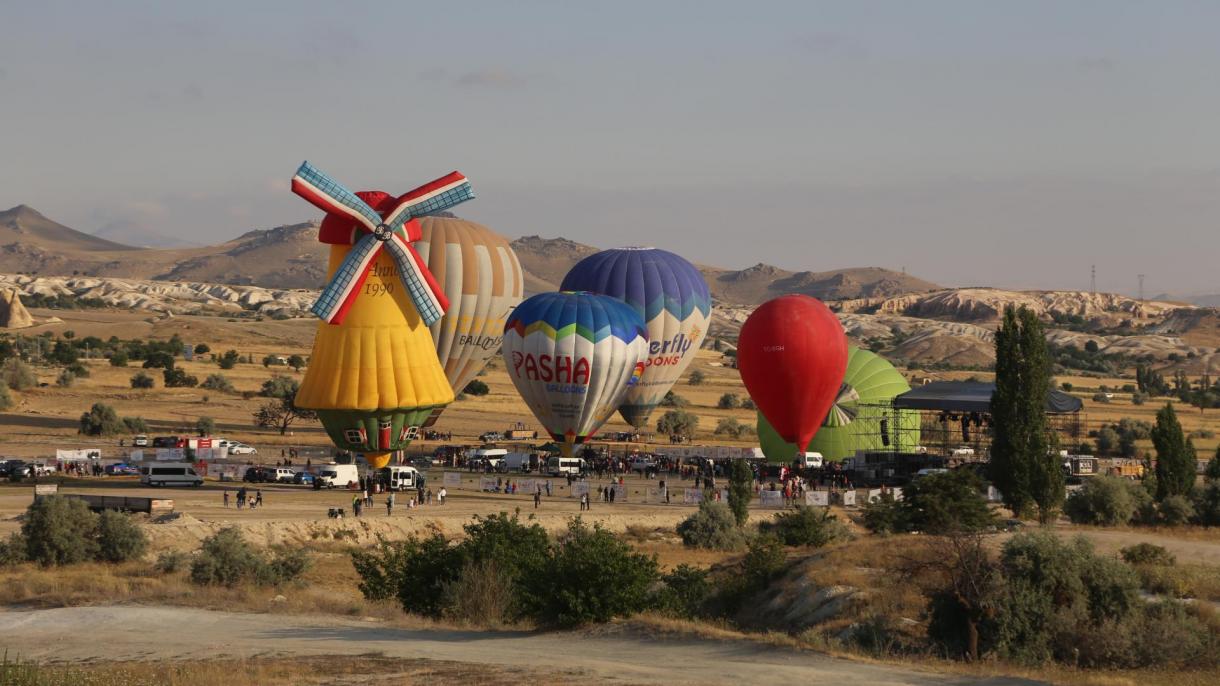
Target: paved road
171 633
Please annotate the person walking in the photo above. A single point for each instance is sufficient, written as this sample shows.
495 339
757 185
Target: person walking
537 498
548 488
441 495
389 504
258 497
226 498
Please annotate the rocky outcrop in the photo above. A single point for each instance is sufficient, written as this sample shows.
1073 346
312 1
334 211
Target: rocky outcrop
13 314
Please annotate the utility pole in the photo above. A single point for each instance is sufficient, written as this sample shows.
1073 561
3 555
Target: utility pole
1141 278
1093 279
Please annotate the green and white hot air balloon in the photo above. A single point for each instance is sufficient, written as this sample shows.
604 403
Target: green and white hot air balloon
860 418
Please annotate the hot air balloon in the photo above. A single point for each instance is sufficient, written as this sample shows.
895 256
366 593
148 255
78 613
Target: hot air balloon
482 278
374 377
670 295
572 357
792 354
859 419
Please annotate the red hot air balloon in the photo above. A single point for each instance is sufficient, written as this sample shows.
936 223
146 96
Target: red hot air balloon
792 355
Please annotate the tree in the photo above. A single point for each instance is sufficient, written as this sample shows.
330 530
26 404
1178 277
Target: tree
678 423
17 375
282 411
228 360
141 380
672 399
1022 466
218 382
178 378
741 490
696 377
59 531
728 401
1175 456
945 503
65 379
205 426
118 358
202 349
1107 441
101 420
159 360
296 362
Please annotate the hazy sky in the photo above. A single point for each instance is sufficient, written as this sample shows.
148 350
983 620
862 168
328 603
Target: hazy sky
1009 144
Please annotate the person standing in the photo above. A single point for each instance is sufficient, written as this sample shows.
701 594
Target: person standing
389 504
226 498
258 497
441 495
537 498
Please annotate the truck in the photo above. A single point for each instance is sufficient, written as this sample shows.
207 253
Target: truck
337 475
519 462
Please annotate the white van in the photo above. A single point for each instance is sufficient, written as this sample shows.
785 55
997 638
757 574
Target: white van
489 456
401 477
337 475
169 474
809 461
562 466
284 475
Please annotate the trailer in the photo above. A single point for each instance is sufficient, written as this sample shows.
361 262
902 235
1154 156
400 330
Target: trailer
120 503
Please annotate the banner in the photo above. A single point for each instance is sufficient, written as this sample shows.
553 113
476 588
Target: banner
620 493
487 483
526 486
817 498
580 488
849 498
78 455
771 498
452 480
136 456
228 472
692 496
993 495
170 454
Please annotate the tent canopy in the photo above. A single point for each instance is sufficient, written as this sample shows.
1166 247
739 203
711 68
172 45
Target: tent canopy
972 396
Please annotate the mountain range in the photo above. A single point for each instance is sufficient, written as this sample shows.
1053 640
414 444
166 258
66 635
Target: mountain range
291 257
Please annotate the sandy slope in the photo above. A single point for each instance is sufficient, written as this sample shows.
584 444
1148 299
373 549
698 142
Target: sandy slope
163 633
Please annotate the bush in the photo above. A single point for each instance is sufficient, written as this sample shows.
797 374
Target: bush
1105 501
159 360
226 559
279 386
696 378
6 398
684 593
202 349
678 422
946 502
142 380
482 595
741 490
426 566
118 538
672 399
118 358
78 370
101 420
728 401
763 562
476 388
65 379
171 561
59 531
1100 398
218 382
1147 554
13 550
883 515
590 576
205 426
228 360
1176 510
178 378
713 527
17 375
135 425
379 569
807 526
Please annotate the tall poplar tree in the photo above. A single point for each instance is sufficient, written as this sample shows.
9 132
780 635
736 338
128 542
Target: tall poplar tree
1023 467
1175 455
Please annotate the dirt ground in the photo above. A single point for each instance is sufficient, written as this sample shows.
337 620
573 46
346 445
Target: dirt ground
619 657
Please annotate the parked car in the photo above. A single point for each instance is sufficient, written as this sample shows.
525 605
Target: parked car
140 441
422 462
121 469
303 478
491 436
166 442
259 475
236 448
282 475
19 469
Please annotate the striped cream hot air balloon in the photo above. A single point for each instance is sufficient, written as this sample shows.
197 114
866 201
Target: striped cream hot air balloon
480 274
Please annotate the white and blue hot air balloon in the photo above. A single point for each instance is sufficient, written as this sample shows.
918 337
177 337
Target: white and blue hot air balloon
572 357
671 296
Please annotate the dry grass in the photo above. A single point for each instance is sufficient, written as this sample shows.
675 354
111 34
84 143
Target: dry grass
346 669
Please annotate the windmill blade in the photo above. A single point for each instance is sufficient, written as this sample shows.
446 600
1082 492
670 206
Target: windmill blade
422 288
331 197
337 297
430 198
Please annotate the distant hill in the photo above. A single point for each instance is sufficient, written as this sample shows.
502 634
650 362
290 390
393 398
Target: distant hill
141 236
291 257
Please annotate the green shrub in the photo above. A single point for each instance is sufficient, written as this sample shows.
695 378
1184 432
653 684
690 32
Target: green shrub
118 538
119 358
18 375
226 559
171 561
763 562
476 388
713 526
59 531
158 360
279 386
65 379
426 565
228 360
205 426
285 566
13 550
883 515
178 378
6 398
1106 501
685 592
590 576
946 502
482 595
142 380
741 490
1176 510
135 425
78 370
1147 554
729 401
101 420
218 382
379 569
807 526
1207 503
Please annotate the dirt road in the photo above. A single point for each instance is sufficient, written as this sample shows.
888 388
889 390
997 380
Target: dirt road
169 633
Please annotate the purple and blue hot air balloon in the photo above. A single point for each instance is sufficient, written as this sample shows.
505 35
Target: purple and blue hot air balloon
670 295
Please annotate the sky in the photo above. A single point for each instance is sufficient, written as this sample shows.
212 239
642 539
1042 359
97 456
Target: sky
1011 144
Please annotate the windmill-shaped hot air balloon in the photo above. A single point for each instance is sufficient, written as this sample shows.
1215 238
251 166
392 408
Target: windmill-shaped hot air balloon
374 377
